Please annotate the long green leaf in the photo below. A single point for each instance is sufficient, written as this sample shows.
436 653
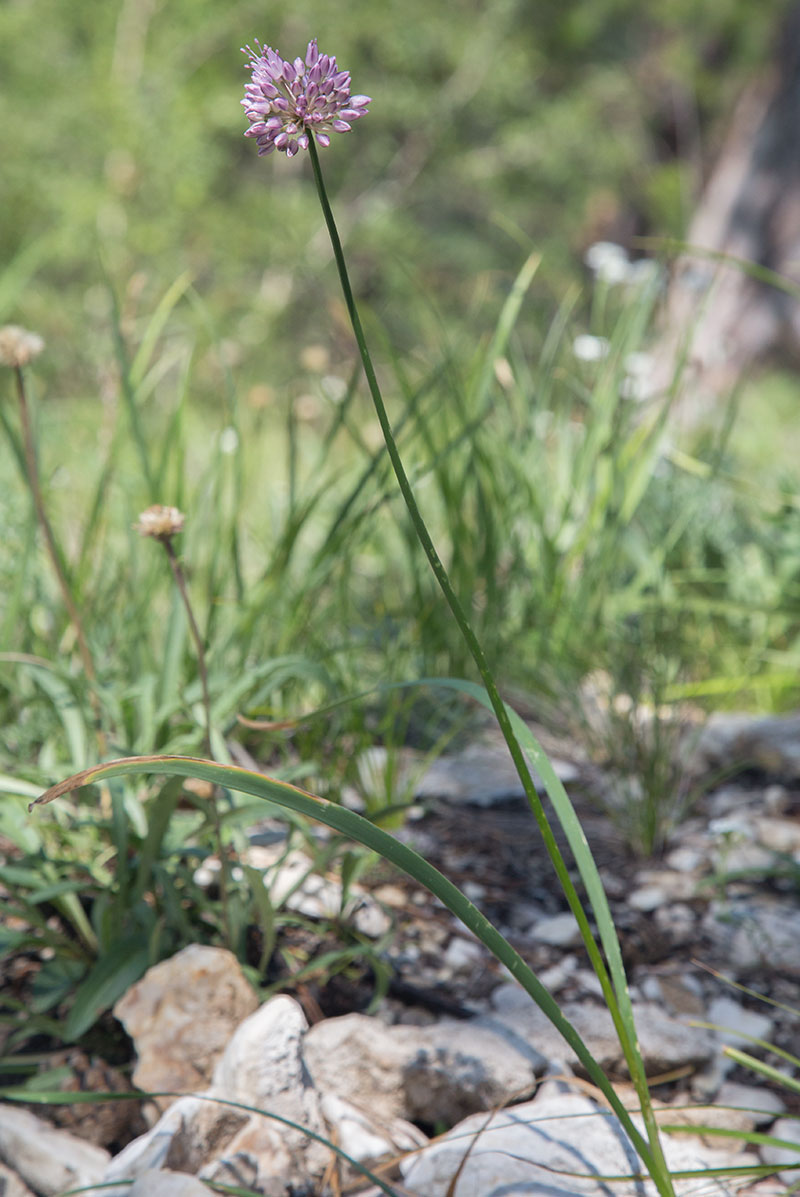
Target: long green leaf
159 816
66 706
112 975
505 325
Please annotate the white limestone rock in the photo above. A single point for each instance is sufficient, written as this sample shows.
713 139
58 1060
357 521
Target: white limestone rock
738 1025
181 1015
483 773
787 1129
770 742
462 954
755 932
364 1138
262 1066
763 1105
677 921
12 1185
647 898
47 1160
559 1144
558 930
423 1074
358 1058
167 1184
185 1136
666 1042
779 834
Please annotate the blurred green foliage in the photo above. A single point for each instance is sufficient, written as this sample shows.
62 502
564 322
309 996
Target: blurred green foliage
545 124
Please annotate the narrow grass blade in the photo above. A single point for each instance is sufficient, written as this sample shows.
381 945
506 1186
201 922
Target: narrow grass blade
155 326
766 1070
111 976
505 325
66 707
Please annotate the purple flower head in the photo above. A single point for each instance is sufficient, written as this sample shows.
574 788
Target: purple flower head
286 102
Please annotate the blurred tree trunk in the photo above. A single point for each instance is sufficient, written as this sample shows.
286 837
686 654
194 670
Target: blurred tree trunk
721 317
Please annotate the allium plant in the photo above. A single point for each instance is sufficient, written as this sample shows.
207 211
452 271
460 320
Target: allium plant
293 106
288 102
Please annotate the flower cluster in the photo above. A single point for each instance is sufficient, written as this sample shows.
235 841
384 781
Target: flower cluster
18 346
287 102
162 523
610 264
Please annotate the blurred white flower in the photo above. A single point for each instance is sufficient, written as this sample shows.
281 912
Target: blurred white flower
637 384
608 262
333 387
644 272
160 522
228 440
18 346
587 348
638 364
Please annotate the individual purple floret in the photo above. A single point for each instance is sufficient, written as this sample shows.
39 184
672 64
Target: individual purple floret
286 102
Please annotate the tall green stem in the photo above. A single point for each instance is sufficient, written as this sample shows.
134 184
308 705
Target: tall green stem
630 1049
224 875
180 582
440 573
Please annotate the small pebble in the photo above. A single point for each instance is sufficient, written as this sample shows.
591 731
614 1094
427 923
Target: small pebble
677 921
684 860
560 931
556 977
474 891
462 954
647 898
776 799
736 1023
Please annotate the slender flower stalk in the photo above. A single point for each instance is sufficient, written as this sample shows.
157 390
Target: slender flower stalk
660 1174
162 523
180 581
440 573
18 348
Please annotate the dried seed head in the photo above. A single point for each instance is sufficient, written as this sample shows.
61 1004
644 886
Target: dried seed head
18 346
162 523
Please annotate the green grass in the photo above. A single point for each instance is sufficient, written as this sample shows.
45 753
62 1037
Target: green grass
576 540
